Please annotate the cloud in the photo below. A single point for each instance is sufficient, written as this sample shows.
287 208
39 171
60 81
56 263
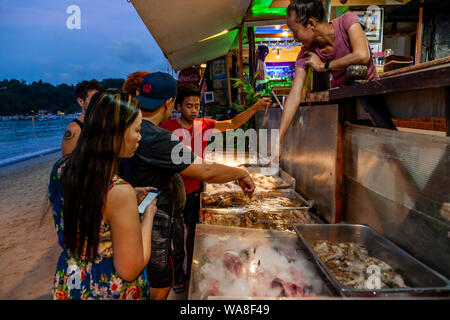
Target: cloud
48 77
78 70
65 77
131 51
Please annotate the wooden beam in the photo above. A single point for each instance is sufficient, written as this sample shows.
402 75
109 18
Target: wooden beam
240 54
433 77
228 65
416 67
251 51
419 34
447 111
264 22
240 63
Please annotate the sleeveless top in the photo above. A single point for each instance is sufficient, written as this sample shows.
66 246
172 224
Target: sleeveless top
76 278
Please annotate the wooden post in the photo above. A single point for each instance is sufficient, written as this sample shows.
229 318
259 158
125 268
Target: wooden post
240 63
447 111
228 65
251 50
419 34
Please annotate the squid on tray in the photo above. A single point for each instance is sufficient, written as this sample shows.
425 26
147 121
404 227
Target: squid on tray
240 268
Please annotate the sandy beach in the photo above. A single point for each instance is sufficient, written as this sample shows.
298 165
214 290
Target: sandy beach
28 247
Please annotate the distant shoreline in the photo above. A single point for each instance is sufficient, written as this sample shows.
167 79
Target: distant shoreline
21 158
20 165
21 117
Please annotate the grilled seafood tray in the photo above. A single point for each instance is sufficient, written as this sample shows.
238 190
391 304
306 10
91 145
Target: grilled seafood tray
265 180
359 262
283 220
265 200
242 263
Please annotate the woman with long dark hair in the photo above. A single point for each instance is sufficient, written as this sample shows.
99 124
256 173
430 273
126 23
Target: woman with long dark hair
106 245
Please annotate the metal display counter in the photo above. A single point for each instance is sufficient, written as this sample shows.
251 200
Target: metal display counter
357 172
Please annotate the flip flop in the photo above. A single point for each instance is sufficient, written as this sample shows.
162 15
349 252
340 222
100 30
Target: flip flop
181 285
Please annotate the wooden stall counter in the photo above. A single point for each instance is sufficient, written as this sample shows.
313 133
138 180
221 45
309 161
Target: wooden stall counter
420 91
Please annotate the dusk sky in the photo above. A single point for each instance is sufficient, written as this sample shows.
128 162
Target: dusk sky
112 41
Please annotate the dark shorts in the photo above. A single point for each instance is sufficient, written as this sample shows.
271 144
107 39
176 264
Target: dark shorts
174 267
192 209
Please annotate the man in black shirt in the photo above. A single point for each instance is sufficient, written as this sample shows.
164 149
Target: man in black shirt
152 165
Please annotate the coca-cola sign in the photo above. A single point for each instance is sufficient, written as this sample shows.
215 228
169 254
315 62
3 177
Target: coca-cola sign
189 76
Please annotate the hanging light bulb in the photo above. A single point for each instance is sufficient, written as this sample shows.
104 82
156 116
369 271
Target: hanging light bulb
278 54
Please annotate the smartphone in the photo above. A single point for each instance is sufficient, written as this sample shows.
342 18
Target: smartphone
147 200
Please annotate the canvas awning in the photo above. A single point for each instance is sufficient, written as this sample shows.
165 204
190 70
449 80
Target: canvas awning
178 26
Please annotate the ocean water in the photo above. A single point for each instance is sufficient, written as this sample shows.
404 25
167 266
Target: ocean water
24 139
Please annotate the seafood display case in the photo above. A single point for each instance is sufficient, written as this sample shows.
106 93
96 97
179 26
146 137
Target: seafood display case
265 180
361 263
243 263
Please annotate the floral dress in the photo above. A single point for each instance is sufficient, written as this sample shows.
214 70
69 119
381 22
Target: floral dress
82 279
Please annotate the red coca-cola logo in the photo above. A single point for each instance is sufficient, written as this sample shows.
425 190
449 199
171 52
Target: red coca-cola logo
189 75
189 78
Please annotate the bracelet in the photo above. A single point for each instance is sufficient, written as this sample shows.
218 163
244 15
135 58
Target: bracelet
327 66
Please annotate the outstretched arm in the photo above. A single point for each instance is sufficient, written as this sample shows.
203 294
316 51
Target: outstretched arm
292 101
243 117
219 173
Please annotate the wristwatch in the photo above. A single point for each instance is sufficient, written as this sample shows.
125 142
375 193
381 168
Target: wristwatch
327 66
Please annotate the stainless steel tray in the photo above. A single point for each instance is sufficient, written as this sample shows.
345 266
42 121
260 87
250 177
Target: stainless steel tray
250 218
244 237
288 193
422 280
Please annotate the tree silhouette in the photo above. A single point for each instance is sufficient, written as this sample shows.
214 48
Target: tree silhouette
18 97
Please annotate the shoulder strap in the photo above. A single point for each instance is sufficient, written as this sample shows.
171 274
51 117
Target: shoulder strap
116 180
78 122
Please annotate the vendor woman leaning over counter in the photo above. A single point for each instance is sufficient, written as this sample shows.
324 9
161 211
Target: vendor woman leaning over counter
327 47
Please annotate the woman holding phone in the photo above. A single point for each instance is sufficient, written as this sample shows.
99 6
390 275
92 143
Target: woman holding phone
106 244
